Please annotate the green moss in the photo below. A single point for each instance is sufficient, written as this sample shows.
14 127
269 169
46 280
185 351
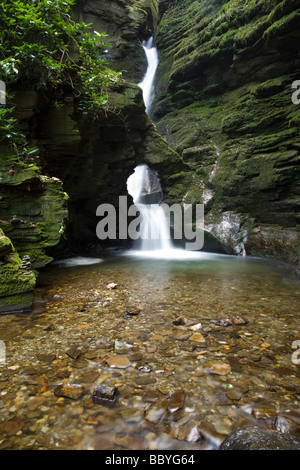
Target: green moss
283 25
14 280
16 303
22 172
6 245
38 258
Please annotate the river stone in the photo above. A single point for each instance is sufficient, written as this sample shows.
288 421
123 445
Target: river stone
263 411
256 438
120 362
12 427
72 391
197 338
218 368
176 401
284 424
179 321
155 413
238 320
103 395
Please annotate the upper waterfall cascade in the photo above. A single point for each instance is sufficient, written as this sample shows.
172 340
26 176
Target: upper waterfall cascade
152 63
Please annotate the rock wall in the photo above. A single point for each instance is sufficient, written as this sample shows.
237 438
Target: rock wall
126 23
33 212
223 102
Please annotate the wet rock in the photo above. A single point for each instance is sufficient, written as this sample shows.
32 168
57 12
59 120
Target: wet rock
102 344
151 396
132 415
145 369
111 285
284 424
132 442
256 438
238 320
234 394
222 322
180 335
218 368
208 431
103 395
145 380
74 352
155 413
35 402
44 357
12 427
121 347
72 391
179 321
176 401
196 327
132 311
197 338
263 411
119 362
186 432
63 373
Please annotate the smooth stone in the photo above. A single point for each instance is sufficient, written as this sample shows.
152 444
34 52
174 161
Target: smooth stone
238 320
119 362
176 401
12 427
218 368
35 402
44 357
179 321
145 380
263 411
256 438
72 391
208 431
103 395
131 442
151 396
234 394
74 352
197 338
155 413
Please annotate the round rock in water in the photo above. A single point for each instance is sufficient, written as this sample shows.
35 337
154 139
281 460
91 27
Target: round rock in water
256 438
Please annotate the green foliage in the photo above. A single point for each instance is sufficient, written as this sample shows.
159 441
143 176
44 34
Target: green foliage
42 46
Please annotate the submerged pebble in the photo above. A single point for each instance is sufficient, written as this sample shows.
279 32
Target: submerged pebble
180 382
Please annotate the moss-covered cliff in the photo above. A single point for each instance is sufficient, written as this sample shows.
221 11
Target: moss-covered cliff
223 101
33 214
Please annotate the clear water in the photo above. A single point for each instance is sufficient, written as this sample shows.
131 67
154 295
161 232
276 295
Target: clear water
76 309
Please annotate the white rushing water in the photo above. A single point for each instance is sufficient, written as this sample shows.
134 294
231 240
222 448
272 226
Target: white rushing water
155 240
154 229
152 63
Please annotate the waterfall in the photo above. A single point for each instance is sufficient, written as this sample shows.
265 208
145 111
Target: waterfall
144 187
152 63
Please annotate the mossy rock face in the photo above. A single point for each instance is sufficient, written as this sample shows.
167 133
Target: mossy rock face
126 25
33 208
223 102
17 279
